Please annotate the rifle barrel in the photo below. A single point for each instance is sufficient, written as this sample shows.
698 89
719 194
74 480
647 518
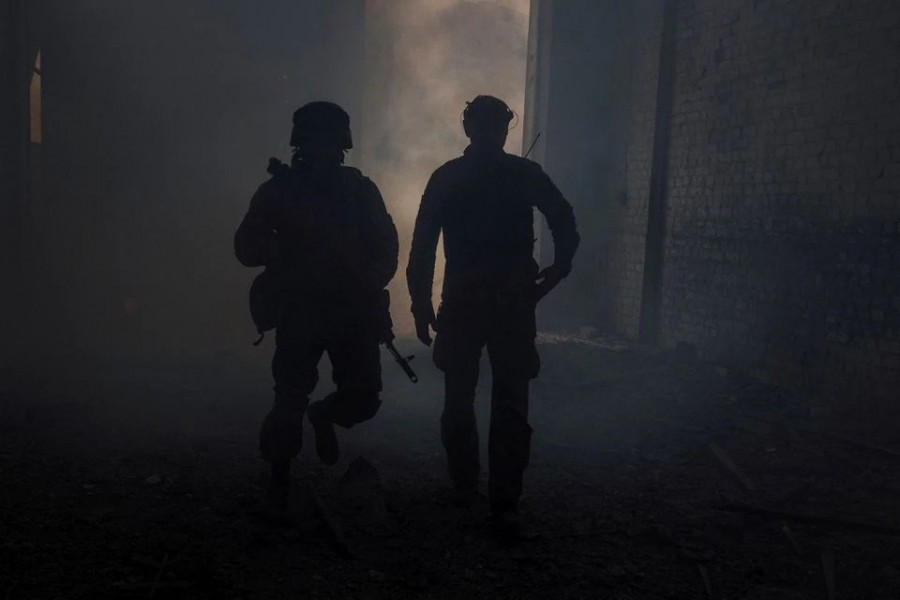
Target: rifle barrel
404 364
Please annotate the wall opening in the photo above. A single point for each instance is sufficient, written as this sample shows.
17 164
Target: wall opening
424 60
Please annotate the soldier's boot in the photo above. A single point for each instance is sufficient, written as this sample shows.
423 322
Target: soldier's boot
467 497
509 449
278 488
459 435
506 525
281 434
326 439
280 440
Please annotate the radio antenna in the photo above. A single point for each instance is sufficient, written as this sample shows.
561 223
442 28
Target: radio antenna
531 147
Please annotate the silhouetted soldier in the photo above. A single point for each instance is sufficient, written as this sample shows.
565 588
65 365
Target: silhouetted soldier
482 202
329 248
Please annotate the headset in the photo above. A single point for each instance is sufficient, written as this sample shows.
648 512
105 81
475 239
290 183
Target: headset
487 110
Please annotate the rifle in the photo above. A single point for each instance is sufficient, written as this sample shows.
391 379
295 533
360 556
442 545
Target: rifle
386 326
403 361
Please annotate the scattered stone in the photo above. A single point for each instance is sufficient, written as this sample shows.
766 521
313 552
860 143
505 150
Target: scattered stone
772 593
153 479
617 572
360 471
891 576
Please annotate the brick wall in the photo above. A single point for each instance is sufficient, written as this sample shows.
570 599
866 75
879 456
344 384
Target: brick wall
782 223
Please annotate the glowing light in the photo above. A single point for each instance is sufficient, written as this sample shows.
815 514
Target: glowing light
425 60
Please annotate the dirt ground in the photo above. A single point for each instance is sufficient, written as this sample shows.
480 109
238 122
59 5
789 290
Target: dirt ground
653 475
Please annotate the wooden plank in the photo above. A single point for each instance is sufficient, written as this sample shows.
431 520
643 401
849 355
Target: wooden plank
828 570
824 521
888 452
723 457
706 583
331 525
791 538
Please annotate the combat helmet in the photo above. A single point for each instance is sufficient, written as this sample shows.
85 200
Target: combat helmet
321 120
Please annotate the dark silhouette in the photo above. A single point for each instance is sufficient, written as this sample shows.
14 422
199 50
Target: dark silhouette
329 248
482 202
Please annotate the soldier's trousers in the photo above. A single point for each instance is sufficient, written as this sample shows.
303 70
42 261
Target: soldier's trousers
301 340
508 331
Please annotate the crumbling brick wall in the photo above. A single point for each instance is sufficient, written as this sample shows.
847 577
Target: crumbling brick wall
783 215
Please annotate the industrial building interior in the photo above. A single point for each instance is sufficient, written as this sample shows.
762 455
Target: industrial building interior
717 410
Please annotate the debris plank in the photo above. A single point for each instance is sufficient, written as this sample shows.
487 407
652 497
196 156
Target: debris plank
333 527
791 538
807 519
706 583
828 570
159 575
726 460
865 446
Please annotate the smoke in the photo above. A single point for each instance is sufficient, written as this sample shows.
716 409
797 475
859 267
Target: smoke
424 61
159 119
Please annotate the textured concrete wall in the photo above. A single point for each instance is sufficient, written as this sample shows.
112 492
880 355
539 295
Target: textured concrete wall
8 119
11 118
159 120
13 164
781 246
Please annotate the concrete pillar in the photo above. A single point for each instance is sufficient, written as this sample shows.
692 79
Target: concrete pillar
537 97
651 297
13 112
13 152
579 81
581 93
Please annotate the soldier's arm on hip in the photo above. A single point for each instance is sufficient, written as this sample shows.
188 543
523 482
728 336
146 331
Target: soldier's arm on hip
560 218
422 254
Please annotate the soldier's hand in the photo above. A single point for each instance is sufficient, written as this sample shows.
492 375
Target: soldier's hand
548 279
424 323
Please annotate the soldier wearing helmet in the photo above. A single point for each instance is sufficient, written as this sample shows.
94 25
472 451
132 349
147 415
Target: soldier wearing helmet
483 204
329 247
